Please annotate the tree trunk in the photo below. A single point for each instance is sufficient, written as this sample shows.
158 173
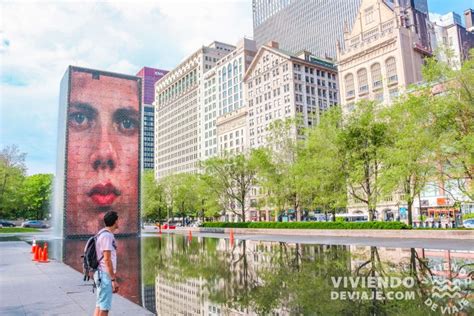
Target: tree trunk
371 215
410 213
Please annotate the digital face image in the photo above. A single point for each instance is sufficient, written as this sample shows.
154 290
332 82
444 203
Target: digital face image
103 146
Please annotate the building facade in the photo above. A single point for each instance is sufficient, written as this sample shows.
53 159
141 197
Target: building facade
280 85
178 99
448 33
223 95
149 77
303 25
382 54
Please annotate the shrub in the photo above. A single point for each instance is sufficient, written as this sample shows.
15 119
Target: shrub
310 225
467 216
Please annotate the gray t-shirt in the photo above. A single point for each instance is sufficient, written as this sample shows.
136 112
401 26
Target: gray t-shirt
106 241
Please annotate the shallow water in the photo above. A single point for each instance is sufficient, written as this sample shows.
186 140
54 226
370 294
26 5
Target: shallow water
176 275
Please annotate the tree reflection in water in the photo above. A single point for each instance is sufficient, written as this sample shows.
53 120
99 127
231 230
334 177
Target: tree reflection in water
212 276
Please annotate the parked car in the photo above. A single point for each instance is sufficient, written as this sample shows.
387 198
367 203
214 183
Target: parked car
35 224
168 226
468 223
4 223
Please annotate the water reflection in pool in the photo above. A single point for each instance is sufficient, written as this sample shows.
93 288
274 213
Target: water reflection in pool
210 276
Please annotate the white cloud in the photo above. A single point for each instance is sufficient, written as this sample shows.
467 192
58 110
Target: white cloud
45 37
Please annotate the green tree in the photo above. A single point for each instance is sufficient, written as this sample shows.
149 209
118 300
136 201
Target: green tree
454 120
187 201
211 205
36 195
154 205
282 170
409 159
324 155
12 175
232 177
365 138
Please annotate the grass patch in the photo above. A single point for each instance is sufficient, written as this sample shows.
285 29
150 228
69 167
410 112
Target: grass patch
309 225
7 230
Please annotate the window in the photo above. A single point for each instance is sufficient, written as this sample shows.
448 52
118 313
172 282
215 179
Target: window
235 67
393 93
376 74
349 84
362 80
391 67
369 15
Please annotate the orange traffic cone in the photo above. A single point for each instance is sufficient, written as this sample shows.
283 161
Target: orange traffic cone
190 236
37 253
44 256
33 246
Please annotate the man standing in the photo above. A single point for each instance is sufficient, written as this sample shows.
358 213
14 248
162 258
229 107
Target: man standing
105 277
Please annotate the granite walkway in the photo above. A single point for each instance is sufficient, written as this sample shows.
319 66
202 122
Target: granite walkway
31 288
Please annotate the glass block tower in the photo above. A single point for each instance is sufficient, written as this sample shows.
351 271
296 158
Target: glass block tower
149 77
312 25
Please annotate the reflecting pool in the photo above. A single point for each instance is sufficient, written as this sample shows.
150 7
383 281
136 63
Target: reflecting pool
211 276
178 275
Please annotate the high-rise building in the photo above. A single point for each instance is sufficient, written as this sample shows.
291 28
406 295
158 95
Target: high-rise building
178 115
223 102
149 77
383 54
281 85
298 25
469 18
448 33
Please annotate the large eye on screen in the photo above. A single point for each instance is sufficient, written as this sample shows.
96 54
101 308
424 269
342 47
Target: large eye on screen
126 121
81 118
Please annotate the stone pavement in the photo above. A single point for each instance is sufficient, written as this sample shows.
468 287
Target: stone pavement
31 288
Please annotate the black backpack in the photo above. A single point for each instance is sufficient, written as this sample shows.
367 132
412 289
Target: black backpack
90 261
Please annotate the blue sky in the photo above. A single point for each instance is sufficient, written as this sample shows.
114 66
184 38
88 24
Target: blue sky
38 40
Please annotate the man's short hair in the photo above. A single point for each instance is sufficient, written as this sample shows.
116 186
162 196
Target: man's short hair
110 218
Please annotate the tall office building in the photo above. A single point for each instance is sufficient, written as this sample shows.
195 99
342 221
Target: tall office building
312 25
469 18
280 85
178 102
149 77
383 54
449 33
222 116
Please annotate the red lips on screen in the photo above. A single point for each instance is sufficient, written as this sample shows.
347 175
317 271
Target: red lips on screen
104 195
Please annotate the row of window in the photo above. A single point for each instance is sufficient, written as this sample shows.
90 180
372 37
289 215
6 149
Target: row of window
178 87
376 76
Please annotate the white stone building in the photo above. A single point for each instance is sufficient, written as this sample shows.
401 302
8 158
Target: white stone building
381 55
280 85
178 98
224 100
448 33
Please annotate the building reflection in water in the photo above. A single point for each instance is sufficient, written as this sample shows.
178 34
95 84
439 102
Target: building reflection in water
209 276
